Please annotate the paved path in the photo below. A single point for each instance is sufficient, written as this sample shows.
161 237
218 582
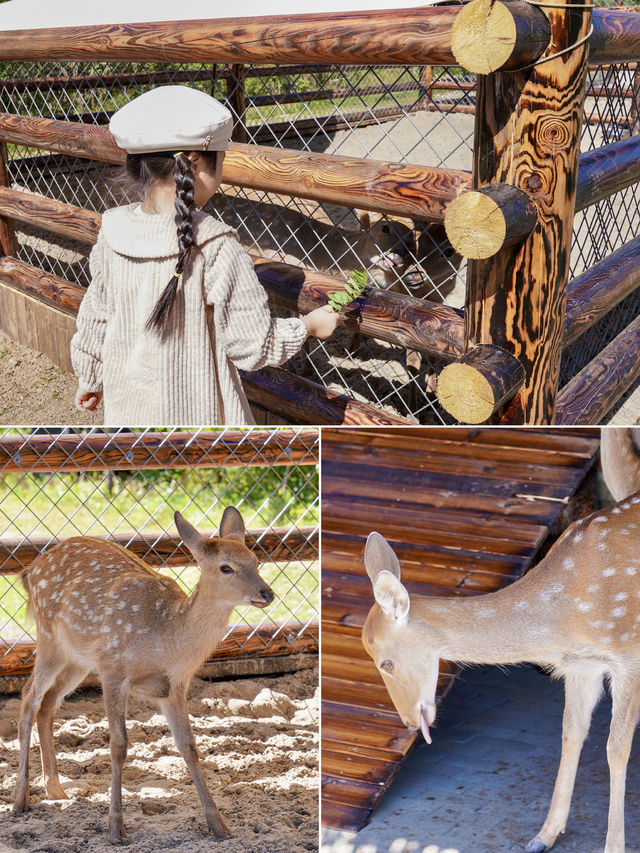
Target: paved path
485 783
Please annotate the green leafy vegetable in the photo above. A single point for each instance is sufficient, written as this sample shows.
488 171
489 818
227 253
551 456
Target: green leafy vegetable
353 288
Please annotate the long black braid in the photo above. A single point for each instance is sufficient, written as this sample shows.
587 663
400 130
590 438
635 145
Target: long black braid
144 169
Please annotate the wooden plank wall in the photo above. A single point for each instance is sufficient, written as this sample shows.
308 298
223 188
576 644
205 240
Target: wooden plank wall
467 511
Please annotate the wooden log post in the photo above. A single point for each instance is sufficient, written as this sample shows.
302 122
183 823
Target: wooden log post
8 239
237 101
481 222
489 35
527 135
476 386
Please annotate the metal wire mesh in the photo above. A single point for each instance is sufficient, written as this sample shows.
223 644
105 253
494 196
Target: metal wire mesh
411 114
59 484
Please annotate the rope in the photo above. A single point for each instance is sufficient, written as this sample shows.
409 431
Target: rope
560 52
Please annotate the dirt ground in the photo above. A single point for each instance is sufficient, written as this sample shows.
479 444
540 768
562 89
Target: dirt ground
257 739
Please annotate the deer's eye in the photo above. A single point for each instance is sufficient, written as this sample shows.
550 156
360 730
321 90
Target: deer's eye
387 665
226 569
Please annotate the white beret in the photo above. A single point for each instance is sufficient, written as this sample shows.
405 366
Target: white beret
171 118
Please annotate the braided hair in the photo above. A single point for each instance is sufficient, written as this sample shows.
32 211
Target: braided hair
143 170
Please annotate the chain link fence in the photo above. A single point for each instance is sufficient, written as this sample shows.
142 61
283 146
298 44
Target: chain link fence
415 114
125 486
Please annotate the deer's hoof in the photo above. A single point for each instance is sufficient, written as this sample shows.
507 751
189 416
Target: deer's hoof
117 835
21 801
536 846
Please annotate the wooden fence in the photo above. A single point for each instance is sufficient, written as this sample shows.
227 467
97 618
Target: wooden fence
511 217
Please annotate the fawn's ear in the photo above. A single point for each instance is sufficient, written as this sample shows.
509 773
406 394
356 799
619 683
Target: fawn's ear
379 556
189 535
232 525
392 597
365 219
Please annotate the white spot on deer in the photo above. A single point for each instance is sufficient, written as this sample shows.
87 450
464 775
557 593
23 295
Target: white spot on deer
618 612
608 573
521 605
484 612
108 610
610 625
585 606
129 627
43 584
600 518
602 546
122 604
624 531
624 638
568 563
616 510
621 596
635 500
545 595
631 570
597 624
593 587
556 587
578 536
135 607
605 639
604 532
159 604
625 505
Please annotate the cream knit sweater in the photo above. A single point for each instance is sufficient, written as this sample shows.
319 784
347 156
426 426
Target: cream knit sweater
179 378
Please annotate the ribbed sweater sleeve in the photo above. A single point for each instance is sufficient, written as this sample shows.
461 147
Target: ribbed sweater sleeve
87 343
249 335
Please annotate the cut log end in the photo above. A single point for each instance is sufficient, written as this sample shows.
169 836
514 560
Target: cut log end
481 222
483 36
475 225
475 387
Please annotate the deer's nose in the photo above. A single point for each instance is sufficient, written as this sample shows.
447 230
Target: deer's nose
267 595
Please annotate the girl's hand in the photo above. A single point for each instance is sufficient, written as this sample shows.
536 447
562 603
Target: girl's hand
87 401
321 322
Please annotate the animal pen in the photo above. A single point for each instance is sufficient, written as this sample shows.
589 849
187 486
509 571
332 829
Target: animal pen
124 486
481 161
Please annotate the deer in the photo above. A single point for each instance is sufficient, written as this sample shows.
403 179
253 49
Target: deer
99 608
575 614
620 458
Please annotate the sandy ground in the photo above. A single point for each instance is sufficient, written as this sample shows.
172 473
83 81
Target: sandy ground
257 739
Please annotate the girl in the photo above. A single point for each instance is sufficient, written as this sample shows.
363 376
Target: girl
174 306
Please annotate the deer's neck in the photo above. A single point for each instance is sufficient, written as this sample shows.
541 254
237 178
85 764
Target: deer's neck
199 624
498 628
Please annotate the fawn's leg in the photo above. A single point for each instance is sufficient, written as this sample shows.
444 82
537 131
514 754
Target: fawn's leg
624 716
174 707
70 676
582 691
44 675
115 700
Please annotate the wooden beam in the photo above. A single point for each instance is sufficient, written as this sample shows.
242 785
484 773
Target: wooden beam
481 222
8 239
272 545
403 189
56 217
594 391
127 451
301 401
474 387
608 170
616 36
390 37
489 35
596 291
528 136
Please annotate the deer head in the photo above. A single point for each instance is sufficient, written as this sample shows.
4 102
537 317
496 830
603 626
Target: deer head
226 563
406 655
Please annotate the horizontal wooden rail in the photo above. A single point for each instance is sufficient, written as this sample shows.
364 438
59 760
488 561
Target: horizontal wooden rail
594 293
244 640
397 318
608 170
275 545
150 451
301 401
420 192
615 38
390 37
595 390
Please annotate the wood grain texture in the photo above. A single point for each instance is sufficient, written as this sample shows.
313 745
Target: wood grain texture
393 37
595 390
274 545
420 192
8 239
475 386
489 35
154 451
70 221
44 286
593 294
616 36
528 135
305 402
608 170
